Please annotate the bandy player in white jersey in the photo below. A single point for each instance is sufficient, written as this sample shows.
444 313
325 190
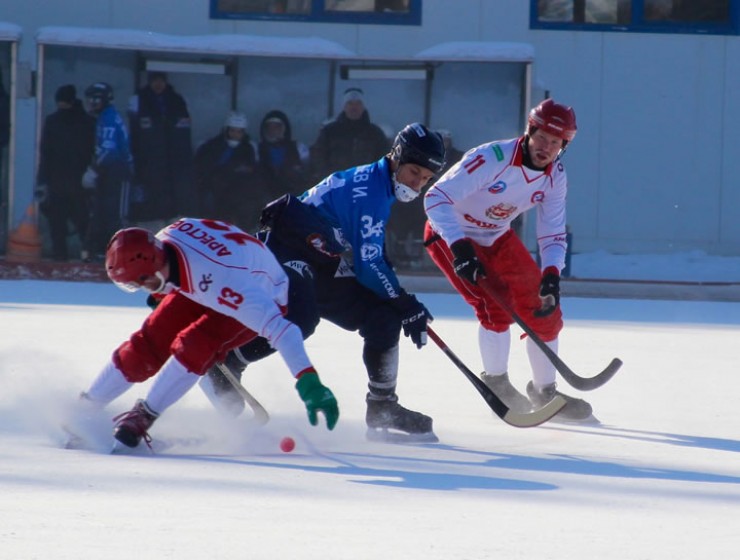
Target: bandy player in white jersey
469 237
218 288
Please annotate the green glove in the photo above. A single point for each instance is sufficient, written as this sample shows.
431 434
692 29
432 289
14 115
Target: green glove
317 398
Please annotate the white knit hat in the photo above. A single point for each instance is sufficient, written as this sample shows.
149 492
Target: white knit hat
236 120
354 94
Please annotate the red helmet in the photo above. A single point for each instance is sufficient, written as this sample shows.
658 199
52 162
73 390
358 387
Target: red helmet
133 255
553 118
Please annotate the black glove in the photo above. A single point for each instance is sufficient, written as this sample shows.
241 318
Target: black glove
549 291
414 318
467 266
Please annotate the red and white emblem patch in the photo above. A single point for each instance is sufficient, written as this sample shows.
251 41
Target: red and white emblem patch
500 211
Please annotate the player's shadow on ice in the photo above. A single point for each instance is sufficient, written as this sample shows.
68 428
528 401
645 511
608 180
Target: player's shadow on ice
426 479
681 440
570 464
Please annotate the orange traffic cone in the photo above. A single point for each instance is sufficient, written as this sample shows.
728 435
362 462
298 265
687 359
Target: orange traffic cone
24 242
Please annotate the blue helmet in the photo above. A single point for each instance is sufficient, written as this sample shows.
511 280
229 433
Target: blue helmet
99 94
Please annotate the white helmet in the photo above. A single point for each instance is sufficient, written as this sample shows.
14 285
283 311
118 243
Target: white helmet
236 120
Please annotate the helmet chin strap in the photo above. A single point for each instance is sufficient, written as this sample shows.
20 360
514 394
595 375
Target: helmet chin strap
162 283
403 193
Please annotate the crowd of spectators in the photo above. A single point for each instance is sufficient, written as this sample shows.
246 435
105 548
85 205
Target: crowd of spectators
98 171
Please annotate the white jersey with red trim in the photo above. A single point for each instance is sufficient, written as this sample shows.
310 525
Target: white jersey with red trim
488 188
232 272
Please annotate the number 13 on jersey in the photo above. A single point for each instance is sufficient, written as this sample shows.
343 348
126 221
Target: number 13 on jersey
230 298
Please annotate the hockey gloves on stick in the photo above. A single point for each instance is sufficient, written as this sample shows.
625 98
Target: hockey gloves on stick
317 398
414 318
467 266
549 291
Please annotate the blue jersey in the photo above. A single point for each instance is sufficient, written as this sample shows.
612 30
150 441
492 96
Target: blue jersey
111 140
357 204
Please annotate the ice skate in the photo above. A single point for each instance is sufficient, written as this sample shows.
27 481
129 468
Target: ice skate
133 426
388 421
576 410
504 390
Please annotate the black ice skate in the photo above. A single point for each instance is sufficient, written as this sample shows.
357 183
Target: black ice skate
505 391
576 410
388 421
133 426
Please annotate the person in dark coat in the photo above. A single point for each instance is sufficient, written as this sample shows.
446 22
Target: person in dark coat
453 153
66 149
4 126
228 183
161 143
282 161
349 140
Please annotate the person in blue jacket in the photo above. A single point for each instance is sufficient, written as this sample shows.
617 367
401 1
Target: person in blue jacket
109 173
336 230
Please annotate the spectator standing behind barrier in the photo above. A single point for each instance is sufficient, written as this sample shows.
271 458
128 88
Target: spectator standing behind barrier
108 176
161 142
66 149
282 160
453 154
228 183
349 140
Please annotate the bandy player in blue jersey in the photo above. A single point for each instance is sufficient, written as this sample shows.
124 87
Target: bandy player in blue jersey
335 234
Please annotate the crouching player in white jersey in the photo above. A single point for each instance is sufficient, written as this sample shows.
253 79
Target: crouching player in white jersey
469 237
220 288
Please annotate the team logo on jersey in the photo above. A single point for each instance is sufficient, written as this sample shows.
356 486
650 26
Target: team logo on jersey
370 251
205 282
300 267
497 187
537 196
500 211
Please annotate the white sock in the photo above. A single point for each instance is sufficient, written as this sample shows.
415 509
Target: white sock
543 372
108 385
171 383
494 350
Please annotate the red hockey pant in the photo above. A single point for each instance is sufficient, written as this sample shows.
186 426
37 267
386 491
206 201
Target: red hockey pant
511 273
196 335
